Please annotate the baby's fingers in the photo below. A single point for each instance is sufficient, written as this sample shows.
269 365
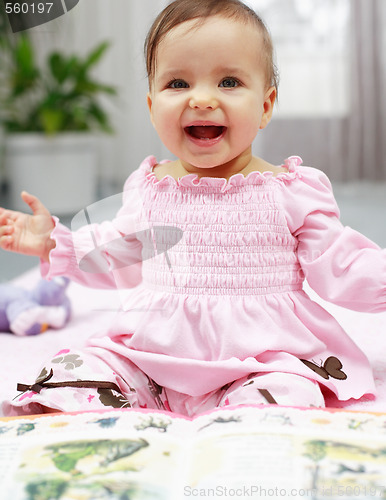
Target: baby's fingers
6 236
6 226
3 216
7 216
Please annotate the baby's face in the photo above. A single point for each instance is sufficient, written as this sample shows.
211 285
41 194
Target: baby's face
209 96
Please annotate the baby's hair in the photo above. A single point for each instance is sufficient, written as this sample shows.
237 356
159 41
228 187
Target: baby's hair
180 11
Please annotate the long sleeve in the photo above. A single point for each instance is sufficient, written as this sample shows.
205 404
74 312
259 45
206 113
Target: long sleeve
339 263
101 255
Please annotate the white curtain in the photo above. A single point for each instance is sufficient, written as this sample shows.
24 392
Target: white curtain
366 127
332 109
342 67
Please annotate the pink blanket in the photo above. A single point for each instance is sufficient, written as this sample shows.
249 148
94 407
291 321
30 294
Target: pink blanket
22 357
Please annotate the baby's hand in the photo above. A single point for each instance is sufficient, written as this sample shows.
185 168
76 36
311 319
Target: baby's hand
27 234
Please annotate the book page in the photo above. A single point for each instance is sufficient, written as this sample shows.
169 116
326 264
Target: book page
245 452
91 456
288 453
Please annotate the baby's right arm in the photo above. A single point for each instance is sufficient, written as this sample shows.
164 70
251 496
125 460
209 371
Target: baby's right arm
27 234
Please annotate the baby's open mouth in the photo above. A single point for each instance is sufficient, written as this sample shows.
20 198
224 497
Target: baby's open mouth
205 132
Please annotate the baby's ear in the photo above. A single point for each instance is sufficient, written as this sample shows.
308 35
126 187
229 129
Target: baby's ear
150 106
269 102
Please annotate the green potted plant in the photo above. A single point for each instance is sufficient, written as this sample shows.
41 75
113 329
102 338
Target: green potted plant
51 114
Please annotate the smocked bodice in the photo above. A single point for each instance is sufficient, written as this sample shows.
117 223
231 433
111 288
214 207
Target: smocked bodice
235 242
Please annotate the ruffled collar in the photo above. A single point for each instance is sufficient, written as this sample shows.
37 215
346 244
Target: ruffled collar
193 181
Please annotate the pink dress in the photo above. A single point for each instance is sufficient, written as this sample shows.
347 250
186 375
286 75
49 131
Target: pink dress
221 297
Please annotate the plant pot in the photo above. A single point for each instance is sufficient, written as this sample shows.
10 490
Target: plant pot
60 170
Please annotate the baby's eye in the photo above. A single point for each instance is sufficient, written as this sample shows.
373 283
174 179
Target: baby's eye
178 84
229 82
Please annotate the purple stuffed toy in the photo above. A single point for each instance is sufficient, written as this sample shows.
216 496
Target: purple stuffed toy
29 312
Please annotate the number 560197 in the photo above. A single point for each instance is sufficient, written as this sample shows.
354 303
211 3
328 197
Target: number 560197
25 8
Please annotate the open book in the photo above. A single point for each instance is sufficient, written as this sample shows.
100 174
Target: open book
244 452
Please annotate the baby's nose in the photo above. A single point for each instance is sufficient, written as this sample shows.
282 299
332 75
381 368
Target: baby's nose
203 100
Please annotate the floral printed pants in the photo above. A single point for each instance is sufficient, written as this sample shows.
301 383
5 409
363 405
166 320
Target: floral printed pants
78 381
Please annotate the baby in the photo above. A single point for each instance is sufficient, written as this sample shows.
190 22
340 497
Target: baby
224 318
